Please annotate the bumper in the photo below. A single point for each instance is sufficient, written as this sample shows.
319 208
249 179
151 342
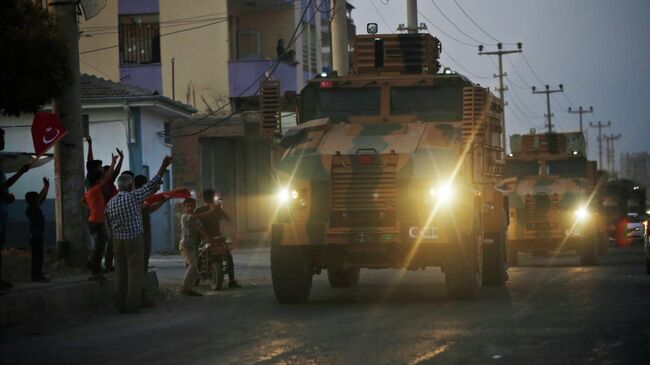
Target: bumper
315 234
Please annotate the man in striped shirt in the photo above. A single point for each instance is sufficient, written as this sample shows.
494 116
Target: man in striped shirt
124 226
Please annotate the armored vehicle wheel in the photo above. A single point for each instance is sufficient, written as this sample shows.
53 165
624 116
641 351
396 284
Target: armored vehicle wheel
603 242
589 251
513 256
216 275
494 262
343 278
290 274
463 275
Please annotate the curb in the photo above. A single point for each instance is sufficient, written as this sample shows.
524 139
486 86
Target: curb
34 304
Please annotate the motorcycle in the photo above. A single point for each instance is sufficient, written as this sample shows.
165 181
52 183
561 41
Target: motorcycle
212 261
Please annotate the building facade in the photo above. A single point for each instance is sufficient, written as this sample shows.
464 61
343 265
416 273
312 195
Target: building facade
212 55
130 118
636 167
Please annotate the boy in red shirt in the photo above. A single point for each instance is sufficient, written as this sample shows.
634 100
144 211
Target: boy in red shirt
93 200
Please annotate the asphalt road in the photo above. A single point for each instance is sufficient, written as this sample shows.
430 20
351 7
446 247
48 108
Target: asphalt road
550 312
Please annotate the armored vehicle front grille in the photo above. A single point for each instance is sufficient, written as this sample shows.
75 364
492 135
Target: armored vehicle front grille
363 195
542 212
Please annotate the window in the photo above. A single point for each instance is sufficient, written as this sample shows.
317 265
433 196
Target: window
167 133
567 168
338 103
249 45
139 39
431 103
521 168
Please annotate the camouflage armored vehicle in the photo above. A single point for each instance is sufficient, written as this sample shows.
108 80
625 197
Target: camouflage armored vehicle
391 166
554 200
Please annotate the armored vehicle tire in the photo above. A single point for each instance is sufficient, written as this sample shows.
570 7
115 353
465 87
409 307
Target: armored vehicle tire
463 275
589 251
290 274
494 262
603 242
513 256
216 275
343 278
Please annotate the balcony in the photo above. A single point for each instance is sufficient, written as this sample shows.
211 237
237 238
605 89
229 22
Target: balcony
244 73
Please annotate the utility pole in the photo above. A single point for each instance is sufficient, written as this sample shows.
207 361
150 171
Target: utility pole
611 162
411 19
581 111
548 93
600 127
500 52
68 153
340 56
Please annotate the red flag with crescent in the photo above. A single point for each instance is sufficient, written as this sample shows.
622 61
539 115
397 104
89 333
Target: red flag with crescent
47 130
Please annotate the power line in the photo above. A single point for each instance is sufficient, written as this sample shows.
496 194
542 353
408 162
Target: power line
473 22
531 69
267 74
521 100
162 35
379 13
528 85
465 69
445 33
454 24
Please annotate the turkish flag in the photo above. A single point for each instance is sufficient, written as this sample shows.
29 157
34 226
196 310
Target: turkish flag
47 130
179 194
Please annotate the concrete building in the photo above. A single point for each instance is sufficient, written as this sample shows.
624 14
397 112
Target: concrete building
636 167
130 118
212 55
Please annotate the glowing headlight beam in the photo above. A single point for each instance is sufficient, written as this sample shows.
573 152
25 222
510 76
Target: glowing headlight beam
581 214
443 193
283 196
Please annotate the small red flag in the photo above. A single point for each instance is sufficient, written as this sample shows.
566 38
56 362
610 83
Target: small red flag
181 193
47 130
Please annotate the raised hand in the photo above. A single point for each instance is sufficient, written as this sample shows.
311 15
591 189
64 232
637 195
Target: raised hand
119 152
46 181
114 158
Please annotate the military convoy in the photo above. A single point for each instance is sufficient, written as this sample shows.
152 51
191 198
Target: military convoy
554 197
391 166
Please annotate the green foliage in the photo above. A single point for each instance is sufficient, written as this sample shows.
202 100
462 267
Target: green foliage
34 59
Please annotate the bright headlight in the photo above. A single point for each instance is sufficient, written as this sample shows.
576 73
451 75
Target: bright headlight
581 213
285 195
282 196
442 193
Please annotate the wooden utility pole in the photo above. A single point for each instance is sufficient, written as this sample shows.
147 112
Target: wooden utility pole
548 93
500 52
68 153
581 111
600 127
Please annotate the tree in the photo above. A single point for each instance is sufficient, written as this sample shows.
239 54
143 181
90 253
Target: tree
34 60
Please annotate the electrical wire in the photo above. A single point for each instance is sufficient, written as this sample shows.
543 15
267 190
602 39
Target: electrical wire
466 70
531 68
445 33
162 35
528 86
268 73
379 13
476 24
454 24
521 101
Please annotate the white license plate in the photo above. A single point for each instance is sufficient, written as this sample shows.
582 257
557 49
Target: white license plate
429 233
572 232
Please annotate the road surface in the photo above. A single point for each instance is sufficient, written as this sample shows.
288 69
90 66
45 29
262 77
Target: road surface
550 312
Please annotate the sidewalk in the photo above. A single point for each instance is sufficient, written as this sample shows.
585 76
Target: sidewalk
68 292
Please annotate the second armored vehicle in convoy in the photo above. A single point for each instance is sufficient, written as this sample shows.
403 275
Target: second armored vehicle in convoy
553 196
391 166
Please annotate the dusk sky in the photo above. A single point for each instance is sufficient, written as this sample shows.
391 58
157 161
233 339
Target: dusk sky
599 50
